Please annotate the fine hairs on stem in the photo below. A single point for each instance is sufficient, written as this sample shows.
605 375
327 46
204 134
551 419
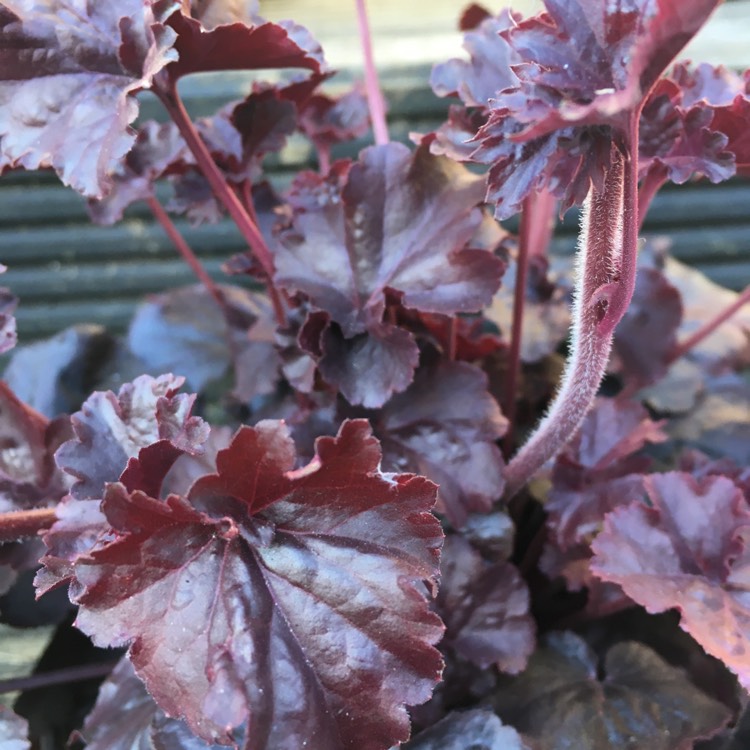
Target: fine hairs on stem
598 266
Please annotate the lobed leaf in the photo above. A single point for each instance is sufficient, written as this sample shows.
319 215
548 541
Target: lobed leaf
237 46
445 426
69 75
586 67
566 699
402 223
109 430
292 601
687 550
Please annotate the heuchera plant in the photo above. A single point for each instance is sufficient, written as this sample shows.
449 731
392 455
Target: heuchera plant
374 539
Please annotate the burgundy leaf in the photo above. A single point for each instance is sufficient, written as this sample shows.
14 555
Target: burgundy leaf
126 717
263 121
565 699
237 46
488 71
445 426
686 549
66 100
368 368
291 600
647 333
586 68
111 429
185 331
401 224
328 121
478 729
732 121
14 731
472 16
485 608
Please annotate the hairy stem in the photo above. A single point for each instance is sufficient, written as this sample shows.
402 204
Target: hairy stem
375 98
599 269
20 524
184 249
708 328
168 95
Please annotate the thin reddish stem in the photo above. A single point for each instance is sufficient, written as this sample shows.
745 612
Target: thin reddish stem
543 206
452 338
168 95
375 98
56 677
184 249
708 328
21 524
519 299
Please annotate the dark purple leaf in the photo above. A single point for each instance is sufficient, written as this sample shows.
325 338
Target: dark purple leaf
445 426
111 429
66 99
186 331
678 140
401 224
126 717
647 333
14 731
367 368
468 730
586 68
565 699
237 46
328 121
487 71
686 549
485 608
292 600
